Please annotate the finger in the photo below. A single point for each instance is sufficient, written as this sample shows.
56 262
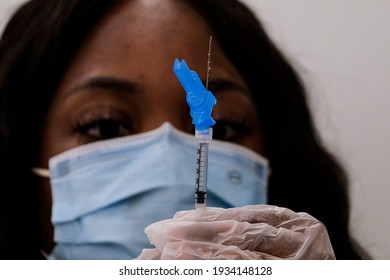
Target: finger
149 254
190 250
272 215
261 237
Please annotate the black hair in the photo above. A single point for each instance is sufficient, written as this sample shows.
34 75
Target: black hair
39 42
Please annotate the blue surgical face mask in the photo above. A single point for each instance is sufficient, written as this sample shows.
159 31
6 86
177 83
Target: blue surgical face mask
106 193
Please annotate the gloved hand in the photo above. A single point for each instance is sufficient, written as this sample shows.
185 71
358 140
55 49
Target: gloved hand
249 232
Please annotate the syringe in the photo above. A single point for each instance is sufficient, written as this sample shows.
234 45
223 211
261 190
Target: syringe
203 138
201 102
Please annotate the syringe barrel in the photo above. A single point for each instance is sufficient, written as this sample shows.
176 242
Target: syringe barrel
203 138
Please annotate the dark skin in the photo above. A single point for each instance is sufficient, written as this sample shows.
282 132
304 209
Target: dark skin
121 83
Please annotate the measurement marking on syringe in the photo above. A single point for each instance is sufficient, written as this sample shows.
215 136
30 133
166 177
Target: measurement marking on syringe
201 172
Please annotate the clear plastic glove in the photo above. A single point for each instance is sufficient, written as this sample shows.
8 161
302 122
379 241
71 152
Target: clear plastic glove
246 233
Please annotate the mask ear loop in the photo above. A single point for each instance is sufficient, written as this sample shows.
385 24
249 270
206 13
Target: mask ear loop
41 172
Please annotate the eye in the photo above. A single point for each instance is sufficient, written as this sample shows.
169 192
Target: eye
230 130
105 129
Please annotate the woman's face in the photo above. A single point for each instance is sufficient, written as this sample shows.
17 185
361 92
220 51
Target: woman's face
121 83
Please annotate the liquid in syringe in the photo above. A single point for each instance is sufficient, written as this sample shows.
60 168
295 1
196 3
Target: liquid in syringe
203 138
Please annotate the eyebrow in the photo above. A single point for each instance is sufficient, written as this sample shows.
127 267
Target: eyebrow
218 85
102 82
125 86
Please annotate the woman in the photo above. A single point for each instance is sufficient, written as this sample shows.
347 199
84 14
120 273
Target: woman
50 49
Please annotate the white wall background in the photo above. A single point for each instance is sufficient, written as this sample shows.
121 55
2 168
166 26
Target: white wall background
6 8
342 50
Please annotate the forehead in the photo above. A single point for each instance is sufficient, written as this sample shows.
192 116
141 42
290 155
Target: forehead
163 20
143 37
150 27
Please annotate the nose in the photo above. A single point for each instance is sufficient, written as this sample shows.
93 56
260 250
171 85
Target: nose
183 124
